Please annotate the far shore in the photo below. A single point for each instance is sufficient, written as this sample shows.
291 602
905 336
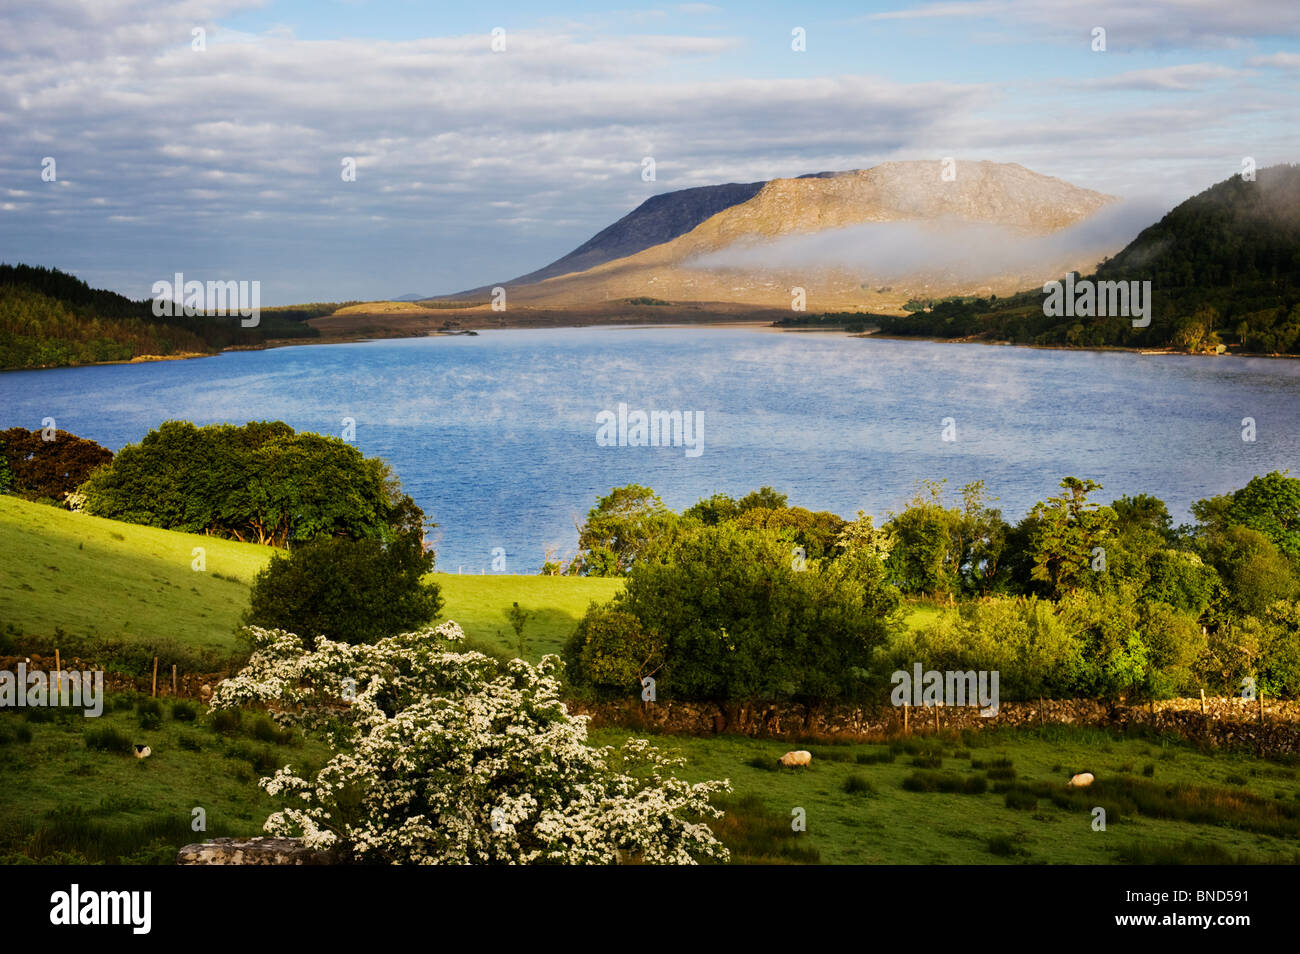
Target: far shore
392 327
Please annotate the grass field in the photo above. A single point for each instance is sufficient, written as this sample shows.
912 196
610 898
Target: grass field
1251 812
63 799
97 577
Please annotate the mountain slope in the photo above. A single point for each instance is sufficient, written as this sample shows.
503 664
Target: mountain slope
838 235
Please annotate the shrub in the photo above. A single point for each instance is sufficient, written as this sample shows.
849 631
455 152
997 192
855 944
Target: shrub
1021 799
224 721
149 713
755 834
1004 846
510 777
857 785
184 711
264 730
946 782
874 758
738 621
611 651
353 591
108 739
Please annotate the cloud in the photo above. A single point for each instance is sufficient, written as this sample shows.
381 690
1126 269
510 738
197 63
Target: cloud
1184 77
1151 24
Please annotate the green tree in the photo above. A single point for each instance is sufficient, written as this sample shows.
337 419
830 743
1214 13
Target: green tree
623 524
611 651
1254 571
740 623
1269 504
258 482
352 591
1066 533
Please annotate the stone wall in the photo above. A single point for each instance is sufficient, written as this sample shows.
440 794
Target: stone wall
1226 721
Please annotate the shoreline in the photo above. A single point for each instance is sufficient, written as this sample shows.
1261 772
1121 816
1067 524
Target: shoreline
713 321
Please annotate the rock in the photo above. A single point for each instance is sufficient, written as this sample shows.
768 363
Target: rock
254 851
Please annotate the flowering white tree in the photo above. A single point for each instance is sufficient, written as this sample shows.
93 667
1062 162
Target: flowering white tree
447 756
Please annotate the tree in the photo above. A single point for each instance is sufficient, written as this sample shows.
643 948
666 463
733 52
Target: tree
1065 535
352 591
1142 511
611 651
1254 571
815 533
446 756
518 620
1268 504
740 622
259 482
623 524
49 469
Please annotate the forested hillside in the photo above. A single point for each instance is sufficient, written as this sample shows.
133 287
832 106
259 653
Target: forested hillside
49 318
1224 268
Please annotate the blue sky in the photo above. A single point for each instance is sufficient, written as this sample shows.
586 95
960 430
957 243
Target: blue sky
475 166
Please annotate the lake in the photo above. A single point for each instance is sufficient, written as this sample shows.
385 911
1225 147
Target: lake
495 436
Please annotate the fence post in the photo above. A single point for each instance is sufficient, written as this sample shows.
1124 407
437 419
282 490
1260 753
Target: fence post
58 669
1202 701
905 708
155 675
173 679
936 719
1260 697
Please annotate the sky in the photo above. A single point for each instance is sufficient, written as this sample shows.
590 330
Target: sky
475 165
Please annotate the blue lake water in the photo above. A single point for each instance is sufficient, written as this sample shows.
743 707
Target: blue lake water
495 435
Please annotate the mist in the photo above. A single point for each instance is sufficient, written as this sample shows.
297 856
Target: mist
886 250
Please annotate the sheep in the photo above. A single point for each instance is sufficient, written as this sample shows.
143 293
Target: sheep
1080 781
798 758
143 751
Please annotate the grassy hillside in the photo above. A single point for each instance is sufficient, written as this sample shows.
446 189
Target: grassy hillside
92 576
97 577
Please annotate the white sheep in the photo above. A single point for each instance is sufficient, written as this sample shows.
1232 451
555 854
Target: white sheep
1082 780
798 758
143 751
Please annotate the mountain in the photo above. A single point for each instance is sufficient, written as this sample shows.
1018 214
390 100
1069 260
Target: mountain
866 239
1224 268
